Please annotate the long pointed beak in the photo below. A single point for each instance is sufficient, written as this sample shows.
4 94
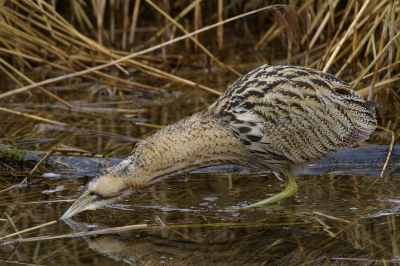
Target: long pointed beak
81 204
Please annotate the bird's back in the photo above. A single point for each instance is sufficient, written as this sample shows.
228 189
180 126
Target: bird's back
288 114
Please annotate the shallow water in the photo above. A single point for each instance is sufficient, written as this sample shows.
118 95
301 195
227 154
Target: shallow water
334 219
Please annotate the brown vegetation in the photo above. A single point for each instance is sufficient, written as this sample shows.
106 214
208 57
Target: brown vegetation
342 37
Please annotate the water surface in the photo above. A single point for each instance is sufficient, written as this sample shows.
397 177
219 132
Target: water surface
334 219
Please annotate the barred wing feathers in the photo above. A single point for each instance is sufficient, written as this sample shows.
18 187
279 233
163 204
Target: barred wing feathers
289 114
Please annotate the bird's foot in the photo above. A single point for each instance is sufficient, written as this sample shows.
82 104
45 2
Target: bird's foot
289 191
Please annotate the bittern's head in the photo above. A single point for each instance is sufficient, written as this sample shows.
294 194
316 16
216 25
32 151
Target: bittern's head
99 192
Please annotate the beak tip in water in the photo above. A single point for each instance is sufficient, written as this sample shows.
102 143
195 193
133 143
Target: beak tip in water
69 213
82 203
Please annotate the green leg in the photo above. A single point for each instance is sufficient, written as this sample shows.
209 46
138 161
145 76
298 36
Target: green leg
289 191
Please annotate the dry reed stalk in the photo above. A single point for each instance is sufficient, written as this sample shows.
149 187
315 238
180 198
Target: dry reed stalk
391 33
187 41
112 230
80 15
176 232
43 44
97 46
355 32
112 26
201 46
107 76
121 59
100 21
31 116
125 6
390 149
316 19
220 29
27 39
44 31
389 153
125 84
27 178
294 26
13 225
28 230
265 250
160 32
52 95
338 31
321 26
34 59
382 41
381 69
364 92
89 132
343 53
361 44
272 31
376 59
16 81
197 24
148 125
133 24
164 75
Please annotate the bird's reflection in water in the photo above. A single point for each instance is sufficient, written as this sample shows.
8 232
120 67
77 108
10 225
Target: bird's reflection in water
311 240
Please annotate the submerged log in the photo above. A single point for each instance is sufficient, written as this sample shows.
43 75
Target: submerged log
362 161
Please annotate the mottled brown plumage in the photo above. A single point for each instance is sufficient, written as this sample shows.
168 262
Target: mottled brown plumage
274 117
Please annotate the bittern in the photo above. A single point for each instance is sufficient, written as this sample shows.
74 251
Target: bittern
277 118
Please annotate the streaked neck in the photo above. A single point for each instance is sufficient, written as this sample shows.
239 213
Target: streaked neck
194 142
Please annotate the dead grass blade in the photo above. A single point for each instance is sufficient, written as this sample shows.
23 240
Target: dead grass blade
349 31
202 47
32 116
28 230
388 156
13 225
376 59
80 234
20 74
125 58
